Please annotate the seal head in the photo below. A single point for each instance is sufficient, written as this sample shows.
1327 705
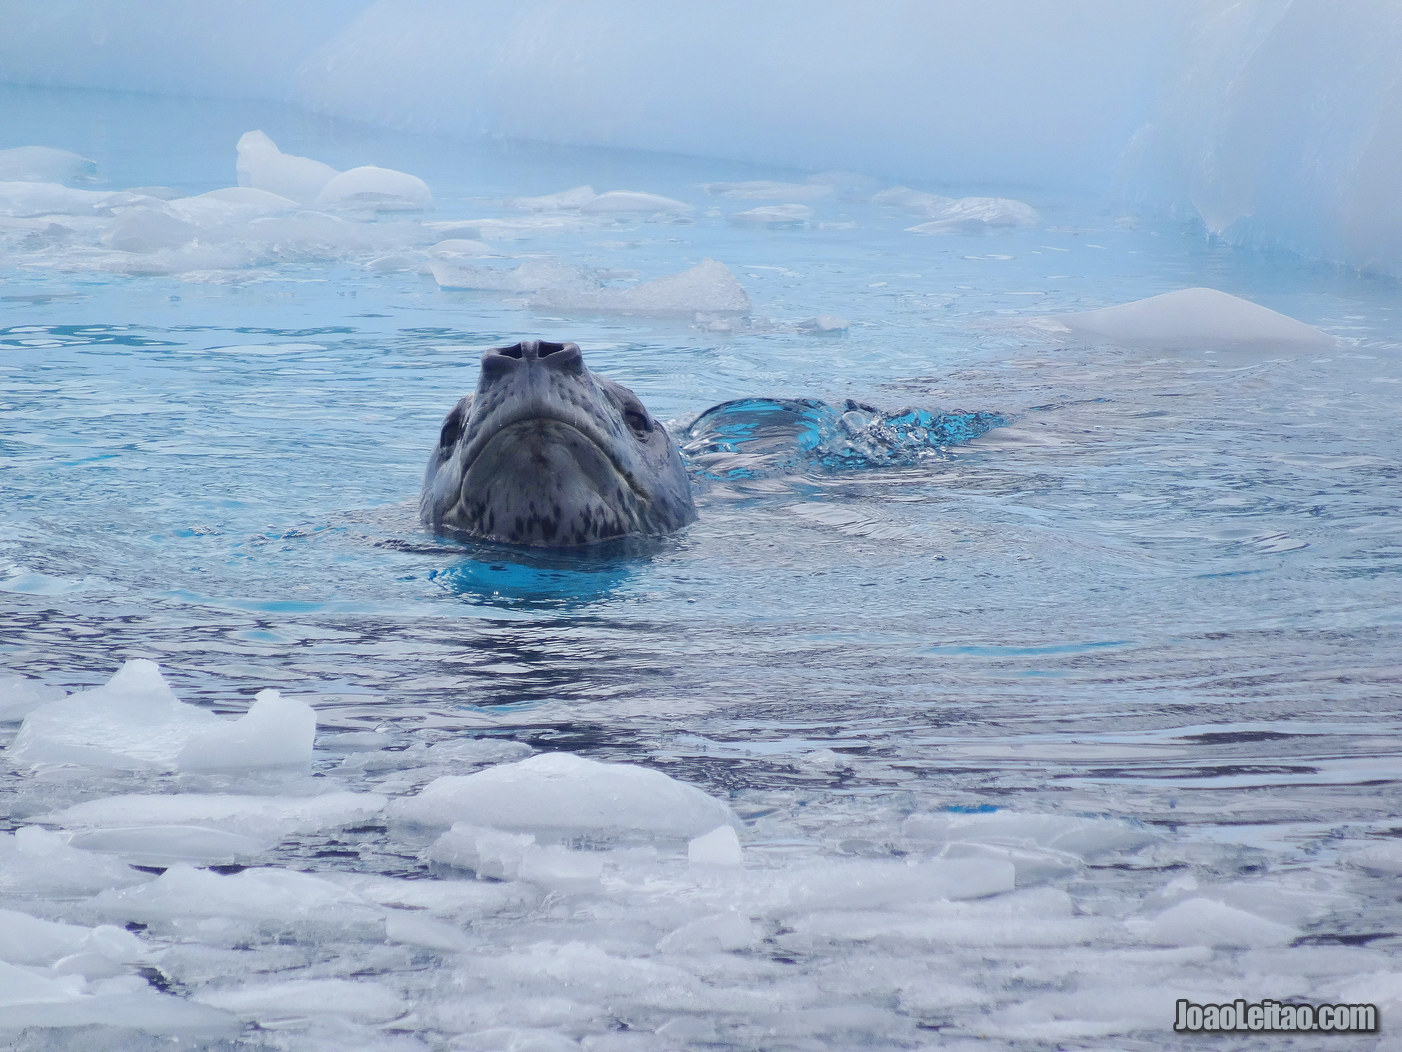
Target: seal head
548 454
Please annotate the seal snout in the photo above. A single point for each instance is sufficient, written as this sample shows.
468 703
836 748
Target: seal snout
555 357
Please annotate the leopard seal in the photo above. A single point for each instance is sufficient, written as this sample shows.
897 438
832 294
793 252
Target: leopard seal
547 454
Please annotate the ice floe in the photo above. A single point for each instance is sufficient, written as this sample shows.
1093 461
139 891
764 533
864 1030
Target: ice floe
561 791
135 722
1193 319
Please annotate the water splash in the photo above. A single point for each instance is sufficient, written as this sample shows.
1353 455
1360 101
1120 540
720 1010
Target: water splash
763 437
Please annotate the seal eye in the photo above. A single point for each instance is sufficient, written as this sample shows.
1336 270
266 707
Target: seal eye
452 431
637 419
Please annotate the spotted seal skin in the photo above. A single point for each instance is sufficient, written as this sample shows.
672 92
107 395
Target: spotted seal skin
548 454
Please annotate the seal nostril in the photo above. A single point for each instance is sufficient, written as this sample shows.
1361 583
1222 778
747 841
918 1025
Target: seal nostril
563 357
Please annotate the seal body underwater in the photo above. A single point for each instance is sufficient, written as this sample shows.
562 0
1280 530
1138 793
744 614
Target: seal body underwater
547 453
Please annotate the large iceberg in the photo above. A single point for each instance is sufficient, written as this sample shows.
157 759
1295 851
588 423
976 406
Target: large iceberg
1276 124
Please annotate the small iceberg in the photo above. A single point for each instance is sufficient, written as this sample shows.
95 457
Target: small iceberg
1192 319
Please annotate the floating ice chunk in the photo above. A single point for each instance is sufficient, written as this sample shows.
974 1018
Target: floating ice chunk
565 199
722 932
45 164
293 1000
768 190
867 884
32 999
134 722
707 288
490 853
496 855
973 215
157 845
251 895
516 1039
823 323
42 199
460 248
148 230
375 189
413 928
531 276
263 166
1207 922
626 201
259 817
20 696
1085 837
1194 319
29 940
38 858
561 791
911 200
1384 857
543 224
719 847
774 215
276 731
232 204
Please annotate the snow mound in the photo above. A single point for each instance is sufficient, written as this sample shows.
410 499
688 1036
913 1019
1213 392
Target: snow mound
134 722
564 792
45 164
707 288
1194 319
263 166
375 189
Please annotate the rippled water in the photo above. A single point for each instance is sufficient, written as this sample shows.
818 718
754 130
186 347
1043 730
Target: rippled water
1166 590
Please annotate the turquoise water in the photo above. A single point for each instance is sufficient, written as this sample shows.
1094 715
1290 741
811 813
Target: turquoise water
1165 590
